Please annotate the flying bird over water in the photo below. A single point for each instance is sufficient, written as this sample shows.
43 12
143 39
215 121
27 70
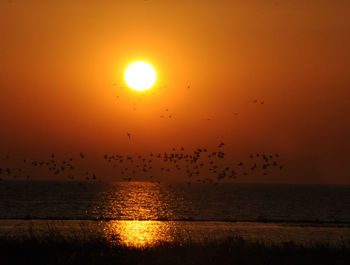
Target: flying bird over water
205 167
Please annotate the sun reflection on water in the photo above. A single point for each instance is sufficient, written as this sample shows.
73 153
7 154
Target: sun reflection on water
138 233
141 205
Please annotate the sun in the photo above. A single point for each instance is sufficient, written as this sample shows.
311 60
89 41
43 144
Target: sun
140 76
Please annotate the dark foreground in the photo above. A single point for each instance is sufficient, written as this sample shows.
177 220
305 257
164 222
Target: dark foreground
58 250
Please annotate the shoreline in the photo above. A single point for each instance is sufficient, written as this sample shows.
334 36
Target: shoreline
134 232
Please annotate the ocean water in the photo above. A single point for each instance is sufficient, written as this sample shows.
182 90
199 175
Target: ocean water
146 213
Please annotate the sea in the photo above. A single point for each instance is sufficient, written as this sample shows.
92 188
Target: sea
145 213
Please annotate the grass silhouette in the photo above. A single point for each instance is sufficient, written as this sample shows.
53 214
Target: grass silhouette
53 248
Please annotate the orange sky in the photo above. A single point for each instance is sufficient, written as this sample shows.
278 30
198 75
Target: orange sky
62 66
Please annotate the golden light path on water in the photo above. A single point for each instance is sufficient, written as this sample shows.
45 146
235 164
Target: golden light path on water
142 203
133 214
138 233
130 214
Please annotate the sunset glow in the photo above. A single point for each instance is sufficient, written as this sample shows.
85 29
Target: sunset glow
172 82
174 132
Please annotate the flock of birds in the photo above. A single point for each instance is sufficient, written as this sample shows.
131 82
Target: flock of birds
52 165
200 165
